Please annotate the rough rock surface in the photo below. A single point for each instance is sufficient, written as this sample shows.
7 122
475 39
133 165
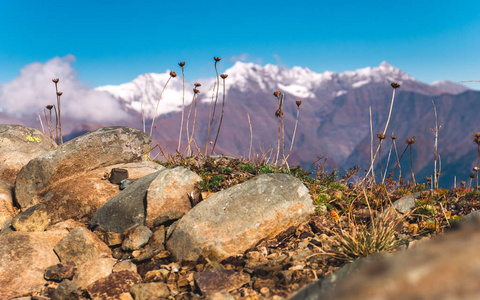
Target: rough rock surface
103 147
234 220
220 280
145 291
136 237
23 259
19 145
66 290
35 218
6 202
81 245
60 271
93 270
114 285
169 191
125 209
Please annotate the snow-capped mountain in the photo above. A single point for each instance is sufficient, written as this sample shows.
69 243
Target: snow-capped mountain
450 87
299 82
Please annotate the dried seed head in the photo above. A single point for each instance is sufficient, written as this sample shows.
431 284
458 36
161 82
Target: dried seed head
56 80
476 169
477 140
393 137
476 134
428 179
277 93
298 103
49 107
395 85
217 59
472 175
196 91
59 93
381 136
278 113
438 174
173 74
462 183
224 76
181 64
410 141
196 84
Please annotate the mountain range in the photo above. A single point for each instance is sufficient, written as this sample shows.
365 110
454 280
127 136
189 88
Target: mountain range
333 119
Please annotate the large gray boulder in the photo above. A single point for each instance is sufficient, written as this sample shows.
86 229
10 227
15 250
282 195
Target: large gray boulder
146 199
19 145
23 258
125 209
234 220
103 147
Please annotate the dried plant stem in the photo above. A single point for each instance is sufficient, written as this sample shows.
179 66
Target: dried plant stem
188 122
59 125
371 143
384 132
50 130
41 124
398 160
190 138
183 111
411 165
294 131
435 153
380 159
388 161
213 110
158 103
221 117
141 104
251 137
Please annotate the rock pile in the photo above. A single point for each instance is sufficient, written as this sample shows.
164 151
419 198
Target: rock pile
71 233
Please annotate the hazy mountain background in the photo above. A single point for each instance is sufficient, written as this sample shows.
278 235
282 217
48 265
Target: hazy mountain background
333 123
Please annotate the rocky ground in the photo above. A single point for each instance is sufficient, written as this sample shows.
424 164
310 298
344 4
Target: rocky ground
90 220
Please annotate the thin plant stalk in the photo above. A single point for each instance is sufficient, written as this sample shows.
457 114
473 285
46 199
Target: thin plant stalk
294 130
188 122
411 165
190 138
141 104
158 103
435 151
388 162
224 76
41 124
214 106
371 144
183 107
251 137
395 86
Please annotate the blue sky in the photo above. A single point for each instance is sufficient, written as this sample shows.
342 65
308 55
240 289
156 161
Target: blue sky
114 41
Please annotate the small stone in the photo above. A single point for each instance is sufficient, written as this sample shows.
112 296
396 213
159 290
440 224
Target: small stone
156 275
167 218
136 237
125 265
60 271
81 245
219 280
93 270
265 291
113 285
34 218
126 182
66 290
145 291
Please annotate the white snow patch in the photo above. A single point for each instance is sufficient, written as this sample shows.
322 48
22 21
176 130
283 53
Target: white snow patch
296 90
